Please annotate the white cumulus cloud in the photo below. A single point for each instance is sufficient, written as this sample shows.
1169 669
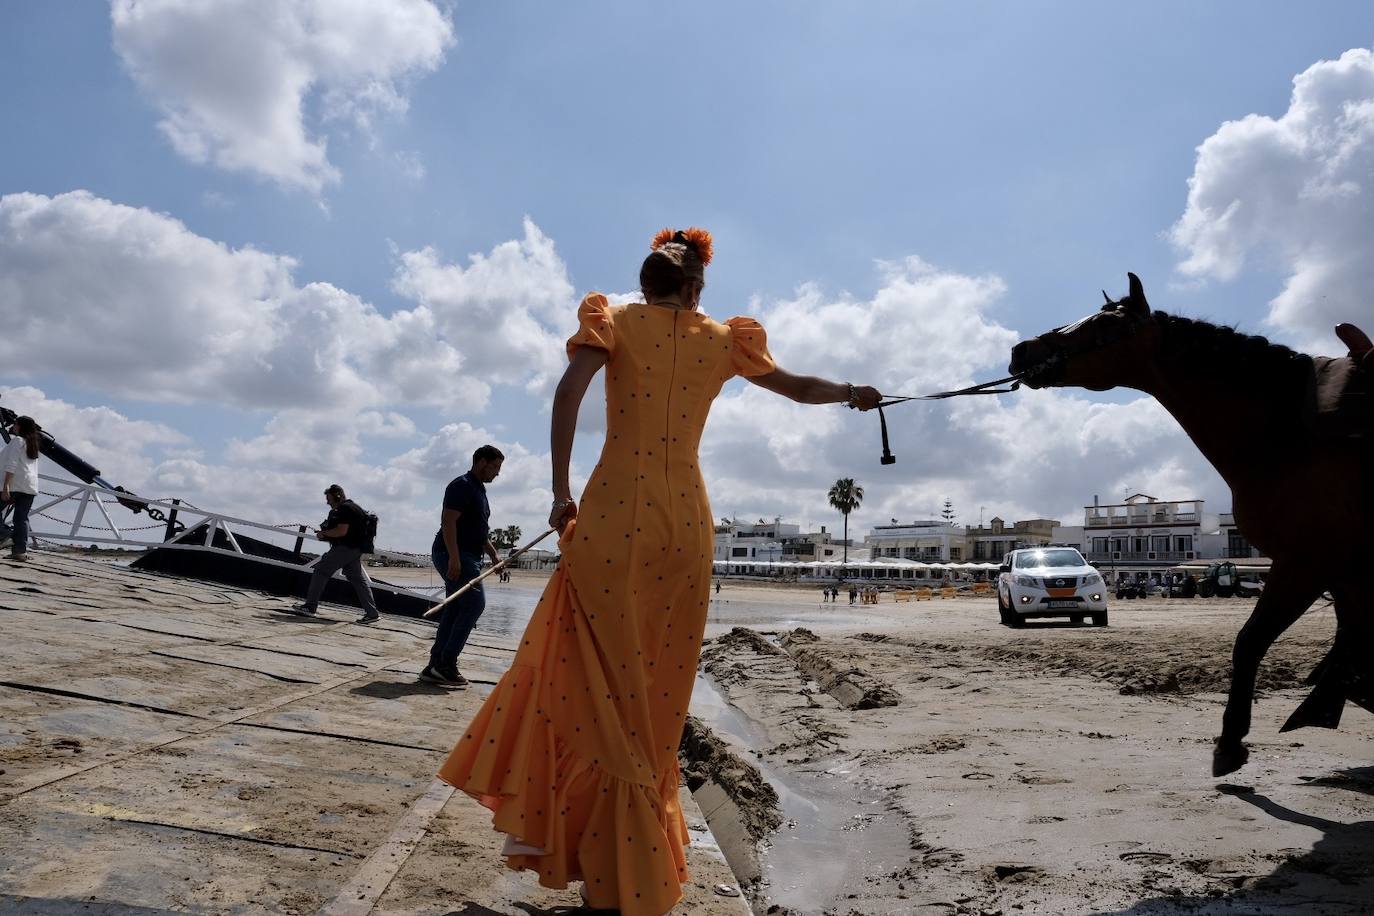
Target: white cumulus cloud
252 85
1294 193
511 308
131 302
124 450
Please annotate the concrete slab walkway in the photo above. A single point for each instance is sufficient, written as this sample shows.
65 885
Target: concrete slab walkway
169 745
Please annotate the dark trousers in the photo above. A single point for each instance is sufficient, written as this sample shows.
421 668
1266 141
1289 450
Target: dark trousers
455 626
349 559
22 503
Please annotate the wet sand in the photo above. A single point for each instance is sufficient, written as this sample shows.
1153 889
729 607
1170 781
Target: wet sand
1052 769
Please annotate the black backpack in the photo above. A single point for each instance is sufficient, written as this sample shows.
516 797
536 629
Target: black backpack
371 545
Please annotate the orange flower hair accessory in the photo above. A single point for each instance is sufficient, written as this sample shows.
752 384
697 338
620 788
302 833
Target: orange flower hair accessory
698 238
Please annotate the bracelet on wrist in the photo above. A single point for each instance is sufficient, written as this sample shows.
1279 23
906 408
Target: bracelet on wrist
853 399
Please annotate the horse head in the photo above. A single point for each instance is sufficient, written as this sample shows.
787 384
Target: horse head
1108 348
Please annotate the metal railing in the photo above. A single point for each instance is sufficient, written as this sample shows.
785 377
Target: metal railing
179 529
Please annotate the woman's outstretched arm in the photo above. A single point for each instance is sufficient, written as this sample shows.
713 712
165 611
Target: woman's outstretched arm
808 389
567 399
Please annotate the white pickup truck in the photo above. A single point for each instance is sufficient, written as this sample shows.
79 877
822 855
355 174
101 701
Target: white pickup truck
1050 582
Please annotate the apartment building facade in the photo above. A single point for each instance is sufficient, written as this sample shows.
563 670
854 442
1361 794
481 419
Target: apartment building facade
930 541
991 543
1143 534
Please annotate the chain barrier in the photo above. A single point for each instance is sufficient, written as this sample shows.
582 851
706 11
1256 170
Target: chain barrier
86 526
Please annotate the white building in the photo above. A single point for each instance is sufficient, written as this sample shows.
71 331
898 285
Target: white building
1143 535
763 541
934 541
1226 542
1070 536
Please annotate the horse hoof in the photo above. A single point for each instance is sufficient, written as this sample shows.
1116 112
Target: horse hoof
1227 758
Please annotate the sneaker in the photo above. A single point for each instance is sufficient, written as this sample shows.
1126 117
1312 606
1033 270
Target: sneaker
369 618
21 557
304 610
454 678
432 675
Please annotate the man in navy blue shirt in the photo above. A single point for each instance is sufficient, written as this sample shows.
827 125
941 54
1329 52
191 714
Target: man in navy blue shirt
457 555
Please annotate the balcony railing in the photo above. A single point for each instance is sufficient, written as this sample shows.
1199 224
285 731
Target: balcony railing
1134 521
1139 556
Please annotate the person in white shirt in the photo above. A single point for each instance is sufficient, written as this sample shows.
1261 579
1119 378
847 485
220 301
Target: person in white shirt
19 465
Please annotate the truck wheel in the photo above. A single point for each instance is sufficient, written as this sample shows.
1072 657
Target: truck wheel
1003 612
1100 619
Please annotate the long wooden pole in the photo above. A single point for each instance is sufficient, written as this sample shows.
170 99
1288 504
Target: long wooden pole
434 611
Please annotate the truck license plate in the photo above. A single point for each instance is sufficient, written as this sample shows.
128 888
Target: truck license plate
1063 604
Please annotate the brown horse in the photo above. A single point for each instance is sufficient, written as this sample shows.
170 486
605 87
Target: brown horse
1292 435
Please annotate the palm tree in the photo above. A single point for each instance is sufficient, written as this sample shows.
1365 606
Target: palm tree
846 496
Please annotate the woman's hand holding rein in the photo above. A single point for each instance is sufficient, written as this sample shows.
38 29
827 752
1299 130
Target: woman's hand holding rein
563 511
863 397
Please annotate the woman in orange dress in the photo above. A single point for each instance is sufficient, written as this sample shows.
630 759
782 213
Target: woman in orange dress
575 750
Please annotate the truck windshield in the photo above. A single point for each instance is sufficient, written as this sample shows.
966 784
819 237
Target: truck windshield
1035 559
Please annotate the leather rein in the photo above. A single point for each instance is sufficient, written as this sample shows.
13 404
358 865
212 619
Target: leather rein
1061 354
984 388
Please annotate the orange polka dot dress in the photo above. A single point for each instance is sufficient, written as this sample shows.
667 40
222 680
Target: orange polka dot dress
575 750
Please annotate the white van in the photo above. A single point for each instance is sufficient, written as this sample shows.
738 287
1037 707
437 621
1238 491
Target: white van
1050 582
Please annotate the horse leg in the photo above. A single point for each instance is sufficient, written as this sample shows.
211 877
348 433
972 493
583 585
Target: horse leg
1346 673
1285 597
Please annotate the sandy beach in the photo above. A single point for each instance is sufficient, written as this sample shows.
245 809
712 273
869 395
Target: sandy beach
1053 769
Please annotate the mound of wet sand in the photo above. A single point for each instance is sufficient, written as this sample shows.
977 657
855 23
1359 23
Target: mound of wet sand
837 672
706 758
1184 664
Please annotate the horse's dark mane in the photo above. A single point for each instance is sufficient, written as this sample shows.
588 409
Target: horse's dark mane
1223 354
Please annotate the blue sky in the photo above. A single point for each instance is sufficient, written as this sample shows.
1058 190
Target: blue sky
1047 145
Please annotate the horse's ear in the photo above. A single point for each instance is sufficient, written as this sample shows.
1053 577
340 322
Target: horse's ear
1137 295
1110 300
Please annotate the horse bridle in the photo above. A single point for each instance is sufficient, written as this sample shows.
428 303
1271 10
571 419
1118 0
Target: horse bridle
1061 354
1101 338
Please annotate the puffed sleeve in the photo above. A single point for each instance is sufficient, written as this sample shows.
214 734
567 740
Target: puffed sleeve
749 342
594 325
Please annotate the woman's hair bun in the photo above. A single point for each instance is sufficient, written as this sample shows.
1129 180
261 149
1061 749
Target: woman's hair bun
696 238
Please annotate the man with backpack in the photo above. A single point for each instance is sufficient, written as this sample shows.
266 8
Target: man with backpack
348 530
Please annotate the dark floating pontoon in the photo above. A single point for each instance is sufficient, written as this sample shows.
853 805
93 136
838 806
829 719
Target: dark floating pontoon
213 548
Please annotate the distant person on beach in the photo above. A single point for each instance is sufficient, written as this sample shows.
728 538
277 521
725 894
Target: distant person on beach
19 465
853 593
462 538
345 529
575 750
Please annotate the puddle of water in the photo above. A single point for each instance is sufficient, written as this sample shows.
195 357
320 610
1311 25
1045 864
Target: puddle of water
835 831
